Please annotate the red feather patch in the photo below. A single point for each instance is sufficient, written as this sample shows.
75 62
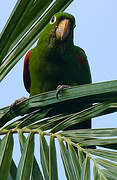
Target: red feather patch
81 60
26 74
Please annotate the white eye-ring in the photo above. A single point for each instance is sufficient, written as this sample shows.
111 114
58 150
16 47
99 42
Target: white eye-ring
53 20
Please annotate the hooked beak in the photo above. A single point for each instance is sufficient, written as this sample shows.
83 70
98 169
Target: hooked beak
63 29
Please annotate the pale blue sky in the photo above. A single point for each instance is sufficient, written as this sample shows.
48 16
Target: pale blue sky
95 32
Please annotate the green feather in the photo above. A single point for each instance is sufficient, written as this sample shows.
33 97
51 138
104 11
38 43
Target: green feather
53 62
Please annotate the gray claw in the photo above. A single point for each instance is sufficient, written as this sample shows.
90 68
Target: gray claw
61 88
13 106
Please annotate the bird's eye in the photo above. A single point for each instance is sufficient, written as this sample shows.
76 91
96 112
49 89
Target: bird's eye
53 20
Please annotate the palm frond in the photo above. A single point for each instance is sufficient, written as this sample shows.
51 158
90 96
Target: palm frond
37 121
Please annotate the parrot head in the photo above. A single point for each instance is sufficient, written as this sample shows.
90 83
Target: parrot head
58 30
63 24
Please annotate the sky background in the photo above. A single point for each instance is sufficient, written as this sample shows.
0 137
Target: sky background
95 32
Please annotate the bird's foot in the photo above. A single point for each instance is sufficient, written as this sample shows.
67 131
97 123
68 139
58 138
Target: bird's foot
60 88
18 101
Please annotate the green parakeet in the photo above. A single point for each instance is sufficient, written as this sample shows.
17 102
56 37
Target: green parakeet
56 60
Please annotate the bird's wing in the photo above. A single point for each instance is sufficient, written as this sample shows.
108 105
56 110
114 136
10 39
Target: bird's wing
26 74
85 74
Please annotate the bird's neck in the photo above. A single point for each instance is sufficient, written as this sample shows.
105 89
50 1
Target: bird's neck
53 48
61 47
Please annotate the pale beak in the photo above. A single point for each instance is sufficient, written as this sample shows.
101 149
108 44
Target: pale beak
63 29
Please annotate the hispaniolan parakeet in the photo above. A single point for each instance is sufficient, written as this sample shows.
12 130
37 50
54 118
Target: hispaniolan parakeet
56 60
